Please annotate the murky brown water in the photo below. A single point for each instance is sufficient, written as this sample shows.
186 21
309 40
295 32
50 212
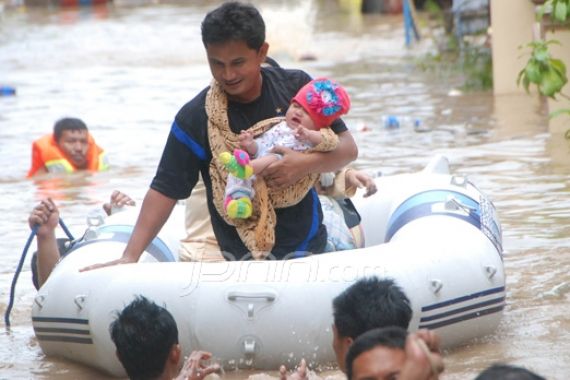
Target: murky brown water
127 68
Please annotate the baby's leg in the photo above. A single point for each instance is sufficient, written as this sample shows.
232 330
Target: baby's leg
238 197
259 164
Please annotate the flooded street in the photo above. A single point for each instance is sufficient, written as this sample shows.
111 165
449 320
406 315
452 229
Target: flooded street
126 69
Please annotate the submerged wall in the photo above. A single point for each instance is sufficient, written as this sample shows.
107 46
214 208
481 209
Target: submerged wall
513 24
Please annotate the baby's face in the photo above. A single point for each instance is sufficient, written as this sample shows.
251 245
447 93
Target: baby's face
297 116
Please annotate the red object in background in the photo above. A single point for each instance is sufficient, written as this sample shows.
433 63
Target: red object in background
76 3
393 6
382 6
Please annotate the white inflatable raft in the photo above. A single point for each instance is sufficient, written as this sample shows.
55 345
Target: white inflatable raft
436 234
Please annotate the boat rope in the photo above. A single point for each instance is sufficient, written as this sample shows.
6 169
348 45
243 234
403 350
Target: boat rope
21 264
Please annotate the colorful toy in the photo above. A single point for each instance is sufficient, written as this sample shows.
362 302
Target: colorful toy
238 195
237 164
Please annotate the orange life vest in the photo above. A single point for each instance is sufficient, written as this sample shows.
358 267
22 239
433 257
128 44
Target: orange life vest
47 154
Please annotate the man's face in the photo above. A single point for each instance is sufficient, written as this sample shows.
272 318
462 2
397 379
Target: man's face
340 345
237 68
379 363
74 145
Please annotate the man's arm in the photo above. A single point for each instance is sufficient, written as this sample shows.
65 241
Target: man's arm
296 165
155 210
46 217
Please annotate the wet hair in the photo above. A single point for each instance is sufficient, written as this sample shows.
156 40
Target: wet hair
67 124
234 21
507 372
370 303
393 337
144 334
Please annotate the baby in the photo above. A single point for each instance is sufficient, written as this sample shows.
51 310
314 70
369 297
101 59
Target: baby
312 110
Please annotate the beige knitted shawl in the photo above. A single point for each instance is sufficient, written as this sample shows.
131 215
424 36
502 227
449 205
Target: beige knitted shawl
258 231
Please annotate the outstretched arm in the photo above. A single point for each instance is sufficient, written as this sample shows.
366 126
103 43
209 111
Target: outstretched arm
295 165
46 216
155 210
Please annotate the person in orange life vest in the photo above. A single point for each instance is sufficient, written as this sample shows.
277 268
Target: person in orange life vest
69 148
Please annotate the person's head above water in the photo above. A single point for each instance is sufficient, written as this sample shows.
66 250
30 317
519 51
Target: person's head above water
72 137
146 338
367 304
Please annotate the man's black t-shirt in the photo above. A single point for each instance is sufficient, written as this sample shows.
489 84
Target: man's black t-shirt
187 152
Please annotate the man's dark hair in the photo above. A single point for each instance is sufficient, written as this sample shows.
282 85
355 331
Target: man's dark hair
234 21
507 372
392 337
370 303
67 124
144 334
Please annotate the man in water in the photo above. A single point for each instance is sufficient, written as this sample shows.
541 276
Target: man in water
367 304
69 148
146 338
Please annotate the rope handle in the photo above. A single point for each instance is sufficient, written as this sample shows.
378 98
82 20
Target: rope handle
21 264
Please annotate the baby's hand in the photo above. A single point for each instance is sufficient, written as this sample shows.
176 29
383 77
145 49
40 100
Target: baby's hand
302 133
245 139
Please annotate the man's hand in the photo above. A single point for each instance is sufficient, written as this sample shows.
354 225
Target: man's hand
286 171
423 357
45 215
300 373
122 260
117 200
194 367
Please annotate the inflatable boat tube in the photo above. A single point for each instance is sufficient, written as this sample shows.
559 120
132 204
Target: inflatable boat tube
434 233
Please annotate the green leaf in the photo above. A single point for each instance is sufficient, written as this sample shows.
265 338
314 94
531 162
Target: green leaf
560 11
551 83
558 65
526 84
541 54
532 72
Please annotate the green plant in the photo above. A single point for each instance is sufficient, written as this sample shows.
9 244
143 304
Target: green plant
559 9
547 73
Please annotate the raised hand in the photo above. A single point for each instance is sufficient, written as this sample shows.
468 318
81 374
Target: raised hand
359 179
194 367
117 200
46 216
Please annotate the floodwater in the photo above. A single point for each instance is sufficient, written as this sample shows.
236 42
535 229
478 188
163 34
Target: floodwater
126 68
